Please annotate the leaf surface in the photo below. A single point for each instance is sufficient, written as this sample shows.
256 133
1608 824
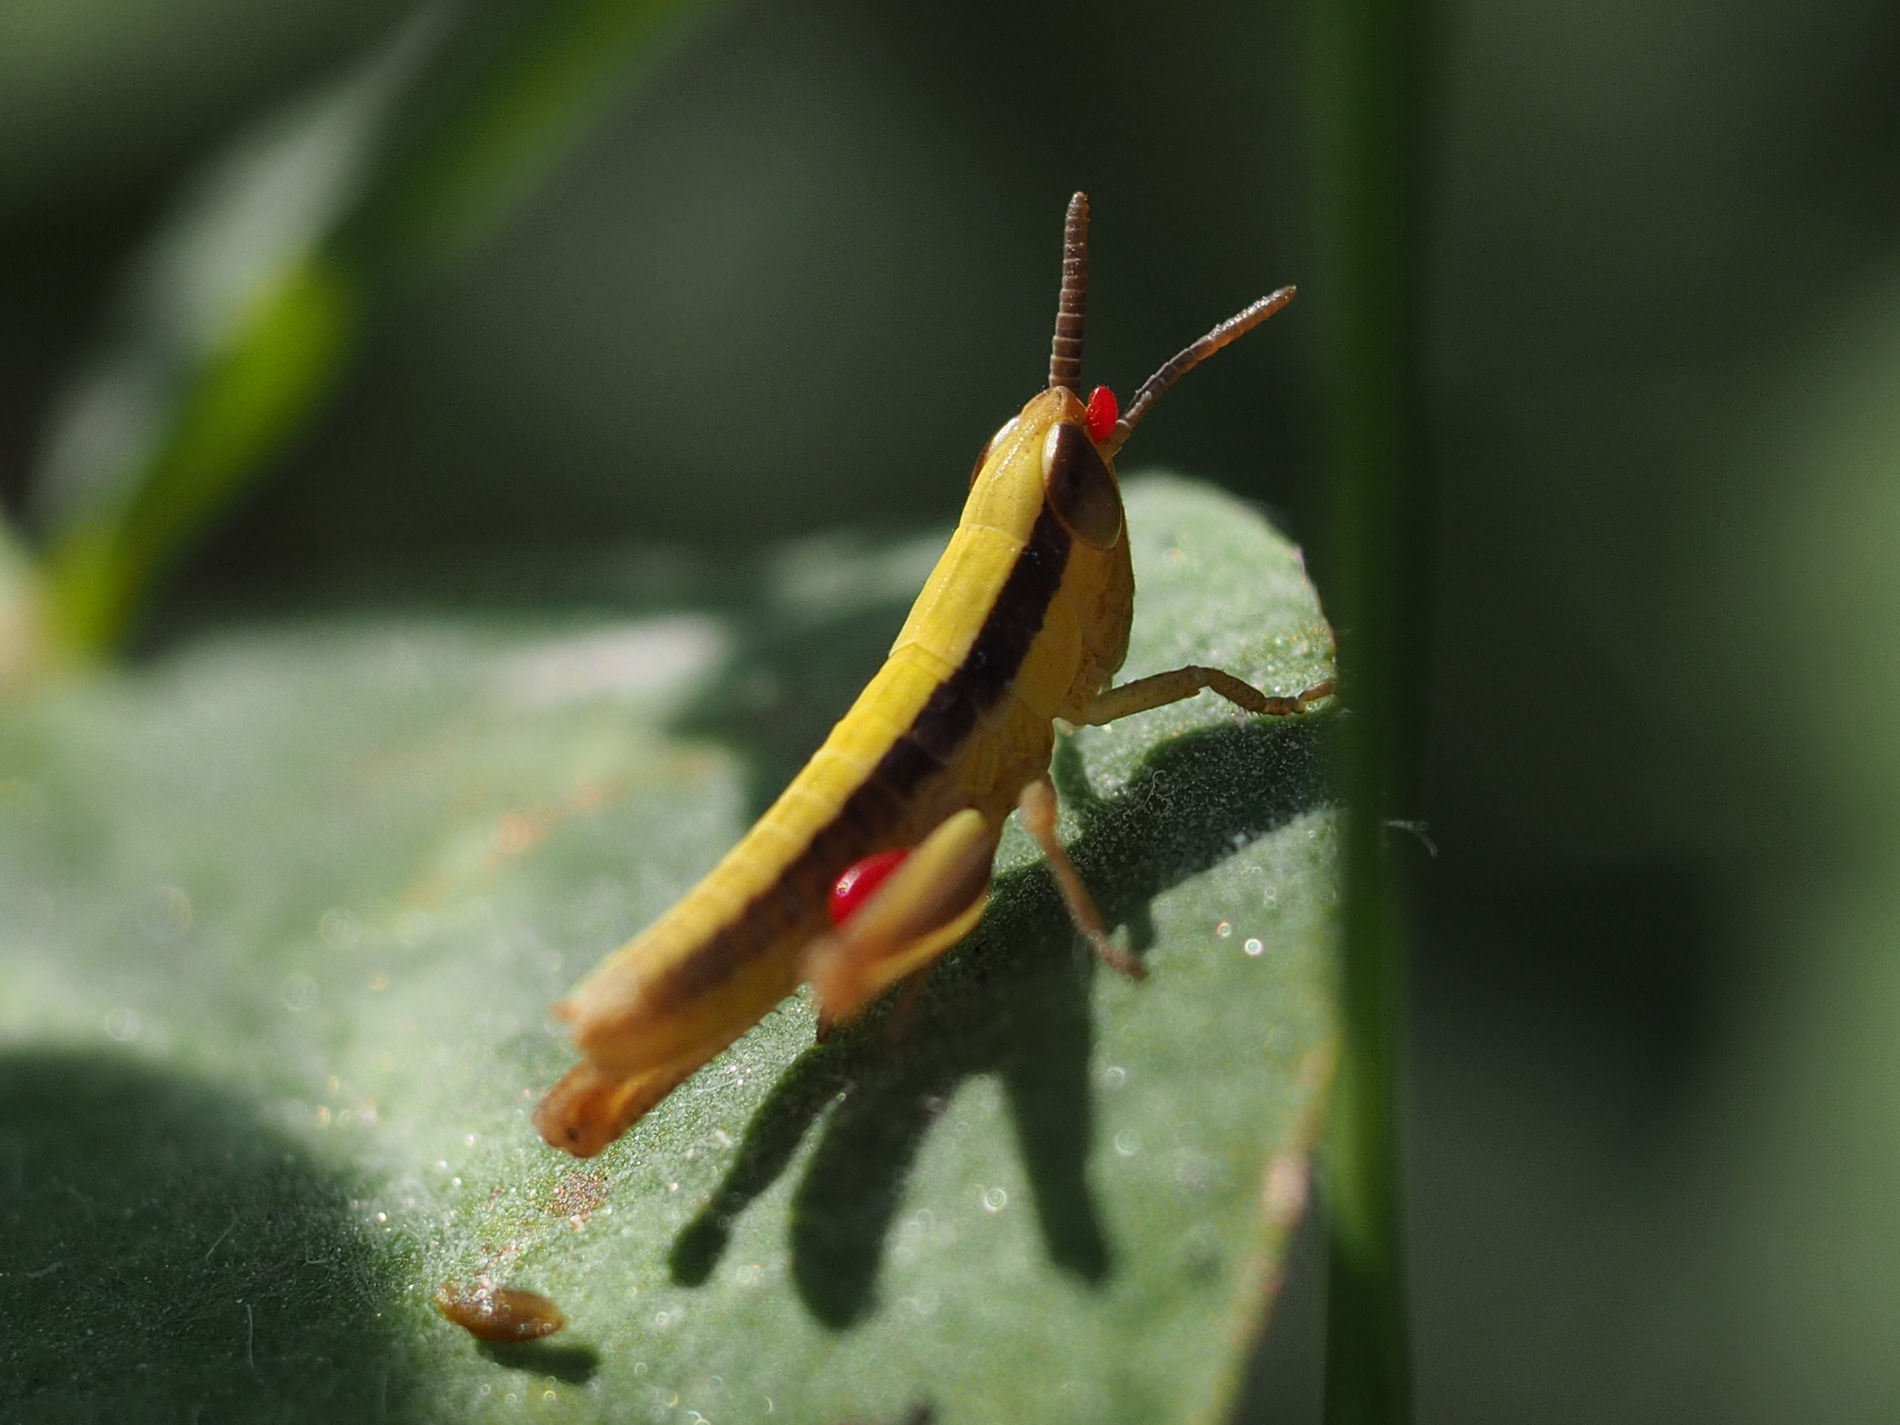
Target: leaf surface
281 916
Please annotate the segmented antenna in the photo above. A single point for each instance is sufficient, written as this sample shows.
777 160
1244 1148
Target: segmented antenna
1190 357
1065 352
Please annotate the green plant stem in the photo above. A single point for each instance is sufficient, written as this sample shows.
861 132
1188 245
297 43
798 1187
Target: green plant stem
1368 69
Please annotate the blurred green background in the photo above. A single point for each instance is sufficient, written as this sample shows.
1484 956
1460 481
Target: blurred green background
793 274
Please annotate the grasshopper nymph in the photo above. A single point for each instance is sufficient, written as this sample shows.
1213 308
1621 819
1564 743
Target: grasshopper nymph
1024 620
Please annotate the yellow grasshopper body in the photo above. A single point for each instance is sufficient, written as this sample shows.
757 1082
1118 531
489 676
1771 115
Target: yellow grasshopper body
1024 620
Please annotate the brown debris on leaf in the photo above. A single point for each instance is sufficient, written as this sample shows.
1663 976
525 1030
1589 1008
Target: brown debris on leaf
499 1313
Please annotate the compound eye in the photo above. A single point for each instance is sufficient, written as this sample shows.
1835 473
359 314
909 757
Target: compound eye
1080 487
990 449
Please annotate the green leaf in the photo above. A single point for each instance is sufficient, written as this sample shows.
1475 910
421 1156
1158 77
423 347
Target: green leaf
281 916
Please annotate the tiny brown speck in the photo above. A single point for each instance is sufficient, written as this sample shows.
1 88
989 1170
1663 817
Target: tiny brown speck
578 1195
499 1313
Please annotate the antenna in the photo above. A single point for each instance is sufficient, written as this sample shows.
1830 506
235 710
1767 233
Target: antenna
1184 360
1065 352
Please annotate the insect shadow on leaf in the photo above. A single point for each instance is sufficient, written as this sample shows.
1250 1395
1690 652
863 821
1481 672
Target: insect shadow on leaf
1012 1000
567 1361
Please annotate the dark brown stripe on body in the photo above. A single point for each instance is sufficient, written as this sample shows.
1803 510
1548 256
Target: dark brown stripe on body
1014 620
877 807
717 959
948 717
